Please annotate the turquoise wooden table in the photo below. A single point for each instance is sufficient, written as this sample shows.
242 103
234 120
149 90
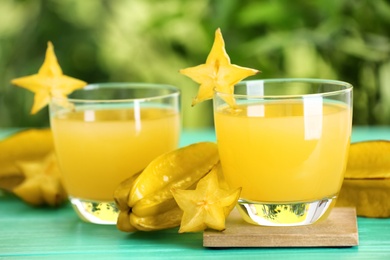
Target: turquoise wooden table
44 233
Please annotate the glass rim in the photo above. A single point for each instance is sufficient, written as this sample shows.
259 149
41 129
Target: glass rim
174 92
347 88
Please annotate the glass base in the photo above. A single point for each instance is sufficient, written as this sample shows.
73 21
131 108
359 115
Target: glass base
97 212
285 214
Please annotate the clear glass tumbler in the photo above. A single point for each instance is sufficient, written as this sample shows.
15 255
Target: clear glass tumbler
285 142
105 133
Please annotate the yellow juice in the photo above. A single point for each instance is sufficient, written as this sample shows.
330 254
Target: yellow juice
284 152
97 149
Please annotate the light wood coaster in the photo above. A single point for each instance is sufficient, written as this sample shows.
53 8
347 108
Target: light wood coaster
338 230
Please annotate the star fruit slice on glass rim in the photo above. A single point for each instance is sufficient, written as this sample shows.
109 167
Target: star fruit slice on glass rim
49 82
217 74
207 206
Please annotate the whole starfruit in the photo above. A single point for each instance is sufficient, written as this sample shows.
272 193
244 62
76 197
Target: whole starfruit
366 185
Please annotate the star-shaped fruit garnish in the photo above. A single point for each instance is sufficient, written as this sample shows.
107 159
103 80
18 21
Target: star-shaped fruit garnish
207 206
42 184
48 82
217 74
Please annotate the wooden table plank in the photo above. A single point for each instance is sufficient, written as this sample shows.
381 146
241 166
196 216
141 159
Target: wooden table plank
339 230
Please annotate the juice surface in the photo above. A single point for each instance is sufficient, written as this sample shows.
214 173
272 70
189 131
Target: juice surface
283 152
97 149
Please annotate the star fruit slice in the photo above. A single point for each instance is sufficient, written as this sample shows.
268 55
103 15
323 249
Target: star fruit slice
48 82
217 74
42 185
207 206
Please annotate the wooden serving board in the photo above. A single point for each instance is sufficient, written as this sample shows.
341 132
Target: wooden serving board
338 230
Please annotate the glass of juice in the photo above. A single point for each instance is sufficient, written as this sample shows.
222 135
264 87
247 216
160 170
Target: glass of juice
285 142
105 133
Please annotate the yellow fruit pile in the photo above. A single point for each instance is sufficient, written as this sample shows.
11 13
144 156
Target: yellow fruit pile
28 168
149 201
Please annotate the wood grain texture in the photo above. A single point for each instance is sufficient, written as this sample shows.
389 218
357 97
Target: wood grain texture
339 230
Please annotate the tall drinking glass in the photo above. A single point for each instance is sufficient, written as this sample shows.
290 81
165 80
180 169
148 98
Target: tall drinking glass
285 142
108 132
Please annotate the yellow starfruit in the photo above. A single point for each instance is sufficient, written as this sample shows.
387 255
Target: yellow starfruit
369 160
207 206
48 82
366 184
31 144
217 74
29 169
42 185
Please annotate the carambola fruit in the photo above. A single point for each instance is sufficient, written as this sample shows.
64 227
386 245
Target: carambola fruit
29 169
366 185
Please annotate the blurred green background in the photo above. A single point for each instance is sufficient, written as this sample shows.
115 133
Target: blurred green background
150 40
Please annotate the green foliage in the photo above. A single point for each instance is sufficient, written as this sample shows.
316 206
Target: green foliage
150 40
